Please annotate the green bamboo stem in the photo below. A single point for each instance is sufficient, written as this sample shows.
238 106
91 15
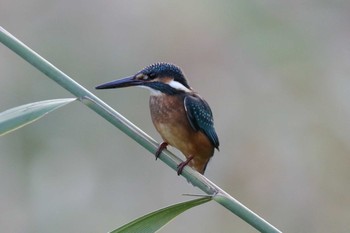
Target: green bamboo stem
133 131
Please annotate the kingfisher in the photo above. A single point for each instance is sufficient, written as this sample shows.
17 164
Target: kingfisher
183 119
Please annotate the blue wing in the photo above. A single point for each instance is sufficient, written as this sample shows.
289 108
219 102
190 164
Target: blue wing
201 118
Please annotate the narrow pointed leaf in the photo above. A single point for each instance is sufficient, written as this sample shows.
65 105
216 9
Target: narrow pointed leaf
18 117
152 222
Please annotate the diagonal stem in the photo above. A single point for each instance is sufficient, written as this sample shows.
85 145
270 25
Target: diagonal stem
133 131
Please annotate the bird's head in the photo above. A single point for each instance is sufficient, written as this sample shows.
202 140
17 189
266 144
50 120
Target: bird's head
160 78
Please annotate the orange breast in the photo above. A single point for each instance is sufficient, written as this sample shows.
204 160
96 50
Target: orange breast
170 119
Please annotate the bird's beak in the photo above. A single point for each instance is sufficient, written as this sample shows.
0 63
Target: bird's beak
124 82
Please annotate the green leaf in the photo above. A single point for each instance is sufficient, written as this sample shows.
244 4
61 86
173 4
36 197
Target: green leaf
18 117
152 222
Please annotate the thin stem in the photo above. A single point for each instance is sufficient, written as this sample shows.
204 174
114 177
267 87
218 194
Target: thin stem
134 132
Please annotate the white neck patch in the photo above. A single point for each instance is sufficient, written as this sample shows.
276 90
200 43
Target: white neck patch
178 86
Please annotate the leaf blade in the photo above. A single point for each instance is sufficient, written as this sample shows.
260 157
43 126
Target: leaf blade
18 117
154 221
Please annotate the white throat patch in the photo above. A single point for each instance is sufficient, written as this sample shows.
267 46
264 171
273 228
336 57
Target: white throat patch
153 91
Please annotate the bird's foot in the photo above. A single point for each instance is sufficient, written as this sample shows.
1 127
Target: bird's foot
161 147
182 165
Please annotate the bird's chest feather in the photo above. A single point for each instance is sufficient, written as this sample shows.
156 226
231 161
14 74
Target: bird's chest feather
169 117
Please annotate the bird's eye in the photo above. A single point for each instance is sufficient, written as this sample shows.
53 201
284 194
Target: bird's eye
152 75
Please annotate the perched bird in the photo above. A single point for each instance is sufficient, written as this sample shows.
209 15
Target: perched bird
183 119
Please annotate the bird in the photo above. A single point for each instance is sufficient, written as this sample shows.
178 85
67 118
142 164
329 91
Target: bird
181 116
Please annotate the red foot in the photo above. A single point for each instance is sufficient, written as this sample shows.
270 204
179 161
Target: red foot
161 147
181 166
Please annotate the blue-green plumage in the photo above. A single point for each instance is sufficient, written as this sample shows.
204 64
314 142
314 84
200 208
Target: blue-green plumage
201 118
162 69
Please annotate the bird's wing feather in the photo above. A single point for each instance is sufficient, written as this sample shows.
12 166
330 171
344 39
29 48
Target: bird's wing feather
201 118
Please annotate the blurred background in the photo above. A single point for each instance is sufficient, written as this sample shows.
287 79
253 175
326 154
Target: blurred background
276 74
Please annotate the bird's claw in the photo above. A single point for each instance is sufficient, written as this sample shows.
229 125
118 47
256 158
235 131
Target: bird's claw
161 147
182 165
